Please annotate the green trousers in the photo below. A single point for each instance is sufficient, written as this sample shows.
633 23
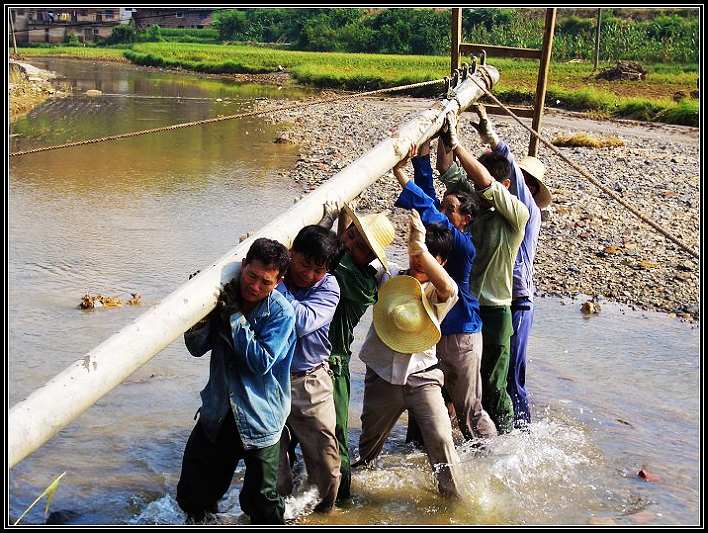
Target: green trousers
340 377
497 329
207 469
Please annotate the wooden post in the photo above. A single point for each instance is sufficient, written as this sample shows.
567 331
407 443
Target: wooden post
542 78
455 38
12 31
596 56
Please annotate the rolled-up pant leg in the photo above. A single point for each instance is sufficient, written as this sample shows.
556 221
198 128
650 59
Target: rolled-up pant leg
312 419
496 335
423 397
522 320
383 406
207 469
460 359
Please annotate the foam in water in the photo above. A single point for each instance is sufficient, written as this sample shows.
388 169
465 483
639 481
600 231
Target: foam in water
166 510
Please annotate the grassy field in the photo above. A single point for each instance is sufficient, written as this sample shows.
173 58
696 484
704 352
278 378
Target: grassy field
571 85
78 52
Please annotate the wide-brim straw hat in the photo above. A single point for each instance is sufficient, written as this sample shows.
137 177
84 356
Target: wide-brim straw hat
534 168
376 230
403 318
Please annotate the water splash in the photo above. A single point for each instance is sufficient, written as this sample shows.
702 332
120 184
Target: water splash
159 512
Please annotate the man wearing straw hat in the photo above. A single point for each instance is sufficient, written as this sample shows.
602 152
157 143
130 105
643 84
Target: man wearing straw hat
364 240
527 184
460 349
399 352
497 234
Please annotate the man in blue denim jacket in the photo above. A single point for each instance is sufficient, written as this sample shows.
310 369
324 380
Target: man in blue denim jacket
251 335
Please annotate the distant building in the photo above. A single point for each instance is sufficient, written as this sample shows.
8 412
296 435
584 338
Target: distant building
55 25
178 17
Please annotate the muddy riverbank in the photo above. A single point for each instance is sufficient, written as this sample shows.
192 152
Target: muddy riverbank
28 87
589 244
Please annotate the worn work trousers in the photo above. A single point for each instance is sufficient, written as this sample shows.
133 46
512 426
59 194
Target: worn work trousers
460 357
341 389
312 423
422 396
207 469
522 319
496 336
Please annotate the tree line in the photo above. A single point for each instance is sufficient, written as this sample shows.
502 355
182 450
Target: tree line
655 36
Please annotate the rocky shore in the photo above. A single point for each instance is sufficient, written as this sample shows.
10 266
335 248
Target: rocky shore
28 87
589 244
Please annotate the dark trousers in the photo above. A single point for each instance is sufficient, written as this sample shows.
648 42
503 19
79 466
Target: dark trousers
341 391
496 337
522 320
207 469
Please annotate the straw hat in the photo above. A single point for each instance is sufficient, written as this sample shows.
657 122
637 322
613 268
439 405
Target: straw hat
403 318
376 230
534 168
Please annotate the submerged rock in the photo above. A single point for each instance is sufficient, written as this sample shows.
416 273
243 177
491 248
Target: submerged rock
590 308
65 516
648 476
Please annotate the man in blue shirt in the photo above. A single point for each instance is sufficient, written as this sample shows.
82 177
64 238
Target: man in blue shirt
460 348
251 335
314 294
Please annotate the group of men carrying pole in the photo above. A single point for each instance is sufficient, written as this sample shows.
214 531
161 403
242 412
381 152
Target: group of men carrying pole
451 328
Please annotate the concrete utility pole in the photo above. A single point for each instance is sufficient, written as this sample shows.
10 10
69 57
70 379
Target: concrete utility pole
47 410
596 56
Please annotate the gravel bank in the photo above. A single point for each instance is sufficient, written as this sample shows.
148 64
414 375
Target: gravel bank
589 244
28 87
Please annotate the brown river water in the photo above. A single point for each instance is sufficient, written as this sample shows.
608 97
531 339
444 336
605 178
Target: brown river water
612 393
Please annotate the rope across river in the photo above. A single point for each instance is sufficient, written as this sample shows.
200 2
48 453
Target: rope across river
334 99
298 105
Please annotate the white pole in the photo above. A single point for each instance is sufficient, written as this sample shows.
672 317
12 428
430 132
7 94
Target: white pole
35 420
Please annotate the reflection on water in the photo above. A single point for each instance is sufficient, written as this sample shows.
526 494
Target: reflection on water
611 394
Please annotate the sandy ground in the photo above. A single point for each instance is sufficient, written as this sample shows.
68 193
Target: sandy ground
589 244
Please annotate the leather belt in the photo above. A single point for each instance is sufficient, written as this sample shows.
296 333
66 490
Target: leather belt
308 371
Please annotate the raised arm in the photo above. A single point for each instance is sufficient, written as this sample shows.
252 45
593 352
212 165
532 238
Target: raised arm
441 280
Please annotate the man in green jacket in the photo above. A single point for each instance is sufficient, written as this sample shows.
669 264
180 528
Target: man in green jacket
364 239
497 234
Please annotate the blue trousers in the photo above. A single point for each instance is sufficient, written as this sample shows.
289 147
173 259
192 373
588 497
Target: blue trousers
522 320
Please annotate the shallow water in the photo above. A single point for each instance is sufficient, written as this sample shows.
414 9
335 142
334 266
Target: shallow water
611 393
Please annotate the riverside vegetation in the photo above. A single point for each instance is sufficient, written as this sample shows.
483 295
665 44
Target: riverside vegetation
326 50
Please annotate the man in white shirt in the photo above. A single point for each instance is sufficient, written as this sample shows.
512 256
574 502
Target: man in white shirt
399 352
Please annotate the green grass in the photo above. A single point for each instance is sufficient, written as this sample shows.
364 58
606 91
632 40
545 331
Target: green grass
80 52
571 85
